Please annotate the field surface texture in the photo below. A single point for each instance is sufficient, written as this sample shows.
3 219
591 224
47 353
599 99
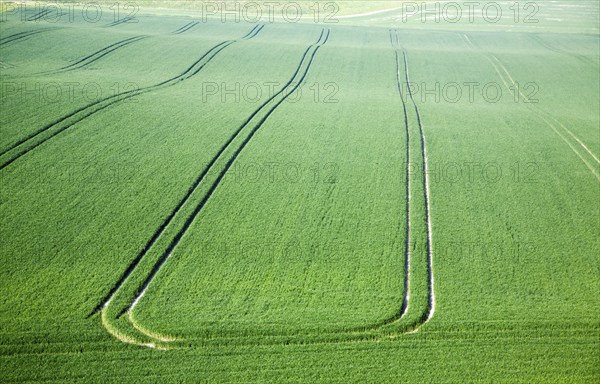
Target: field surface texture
336 192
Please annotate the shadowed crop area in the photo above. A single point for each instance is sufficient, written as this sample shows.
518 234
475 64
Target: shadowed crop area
302 192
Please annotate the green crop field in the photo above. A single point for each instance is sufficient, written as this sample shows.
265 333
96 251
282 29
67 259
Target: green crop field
300 192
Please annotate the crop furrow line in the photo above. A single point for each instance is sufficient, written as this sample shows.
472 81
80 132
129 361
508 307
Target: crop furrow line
168 252
180 28
406 284
175 242
430 278
114 98
581 143
186 27
406 299
288 88
14 35
39 15
542 115
582 58
428 313
22 35
97 106
182 76
117 22
99 54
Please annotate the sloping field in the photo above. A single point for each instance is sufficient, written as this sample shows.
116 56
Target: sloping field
372 200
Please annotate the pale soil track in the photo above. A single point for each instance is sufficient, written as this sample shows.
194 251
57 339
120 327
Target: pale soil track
182 202
372 13
406 299
364 333
428 312
430 274
286 91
